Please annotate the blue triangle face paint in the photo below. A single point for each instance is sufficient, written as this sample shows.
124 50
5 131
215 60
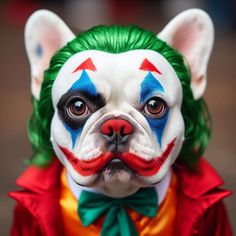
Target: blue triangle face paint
158 126
84 83
149 86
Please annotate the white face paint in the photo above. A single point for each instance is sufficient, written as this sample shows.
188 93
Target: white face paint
117 86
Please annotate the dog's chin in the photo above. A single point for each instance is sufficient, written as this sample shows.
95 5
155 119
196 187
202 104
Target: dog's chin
117 180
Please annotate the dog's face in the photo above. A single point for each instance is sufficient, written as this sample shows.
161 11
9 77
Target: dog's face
117 116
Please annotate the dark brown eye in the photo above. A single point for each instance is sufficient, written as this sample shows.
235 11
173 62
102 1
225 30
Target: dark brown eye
78 108
156 107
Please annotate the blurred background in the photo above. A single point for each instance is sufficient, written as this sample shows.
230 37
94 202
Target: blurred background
80 15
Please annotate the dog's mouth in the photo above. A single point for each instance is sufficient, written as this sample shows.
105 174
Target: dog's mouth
115 165
116 171
118 161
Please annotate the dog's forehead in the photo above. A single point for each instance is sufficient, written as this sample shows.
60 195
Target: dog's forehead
114 69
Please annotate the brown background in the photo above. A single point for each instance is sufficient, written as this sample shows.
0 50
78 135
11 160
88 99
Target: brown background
15 89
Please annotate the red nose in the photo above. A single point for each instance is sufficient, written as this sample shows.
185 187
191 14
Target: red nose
116 127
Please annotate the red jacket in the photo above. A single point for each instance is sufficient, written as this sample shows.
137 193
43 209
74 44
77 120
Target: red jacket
200 208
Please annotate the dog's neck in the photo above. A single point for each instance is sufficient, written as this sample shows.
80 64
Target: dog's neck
161 188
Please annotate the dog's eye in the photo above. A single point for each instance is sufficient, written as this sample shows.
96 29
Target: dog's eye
155 107
77 108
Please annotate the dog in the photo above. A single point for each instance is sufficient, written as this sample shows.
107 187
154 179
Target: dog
122 111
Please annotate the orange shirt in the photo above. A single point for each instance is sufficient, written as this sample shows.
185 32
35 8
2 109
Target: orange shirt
161 225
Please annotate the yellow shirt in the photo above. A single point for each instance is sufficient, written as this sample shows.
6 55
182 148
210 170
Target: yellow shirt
161 225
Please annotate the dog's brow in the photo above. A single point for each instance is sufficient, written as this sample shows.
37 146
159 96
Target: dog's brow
146 65
86 65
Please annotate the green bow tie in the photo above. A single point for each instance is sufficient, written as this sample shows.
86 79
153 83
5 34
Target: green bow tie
117 221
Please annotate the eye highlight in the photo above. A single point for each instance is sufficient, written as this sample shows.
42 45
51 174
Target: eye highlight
156 107
77 107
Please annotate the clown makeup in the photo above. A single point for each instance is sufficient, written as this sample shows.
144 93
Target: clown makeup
117 117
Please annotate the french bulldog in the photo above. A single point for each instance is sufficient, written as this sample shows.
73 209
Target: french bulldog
122 110
117 124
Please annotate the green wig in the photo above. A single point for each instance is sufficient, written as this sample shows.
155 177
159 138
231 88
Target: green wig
117 39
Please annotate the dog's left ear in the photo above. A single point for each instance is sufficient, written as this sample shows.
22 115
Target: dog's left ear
192 34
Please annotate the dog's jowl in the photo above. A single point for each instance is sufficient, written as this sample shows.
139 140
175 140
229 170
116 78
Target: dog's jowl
118 131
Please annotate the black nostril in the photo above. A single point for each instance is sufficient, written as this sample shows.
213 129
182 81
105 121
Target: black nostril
122 133
110 133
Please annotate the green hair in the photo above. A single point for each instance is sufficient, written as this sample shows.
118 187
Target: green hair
117 39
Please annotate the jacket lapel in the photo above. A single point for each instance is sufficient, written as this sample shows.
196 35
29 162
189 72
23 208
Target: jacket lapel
198 191
40 196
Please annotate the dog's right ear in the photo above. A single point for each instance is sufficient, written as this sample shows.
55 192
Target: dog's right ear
45 33
192 34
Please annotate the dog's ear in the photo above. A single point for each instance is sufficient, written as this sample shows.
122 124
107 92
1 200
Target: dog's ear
45 33
192 34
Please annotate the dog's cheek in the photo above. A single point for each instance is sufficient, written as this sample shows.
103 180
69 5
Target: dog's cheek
174 130
154 179
79 179
59 137
60 132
